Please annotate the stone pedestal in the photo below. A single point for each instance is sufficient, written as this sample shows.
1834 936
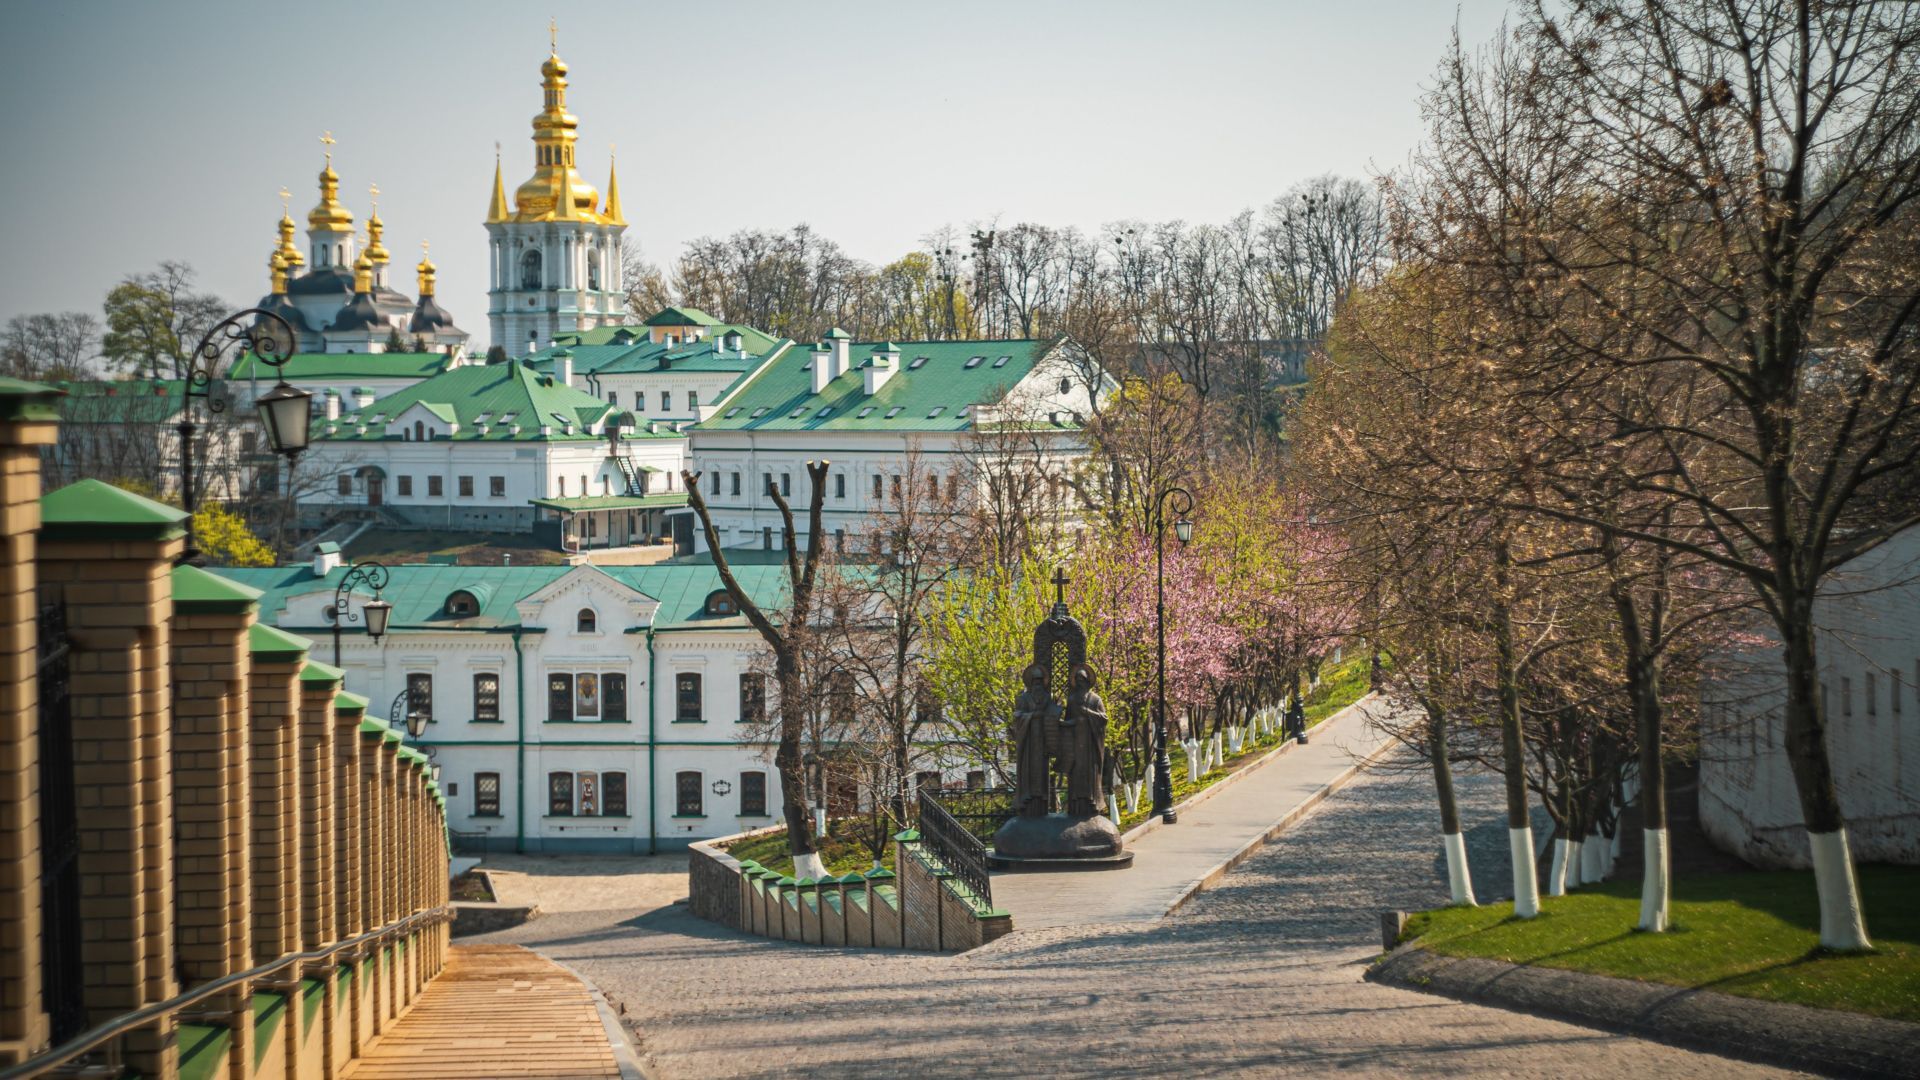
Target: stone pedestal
1059 842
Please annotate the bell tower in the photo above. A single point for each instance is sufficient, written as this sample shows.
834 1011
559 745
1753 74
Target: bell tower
554 251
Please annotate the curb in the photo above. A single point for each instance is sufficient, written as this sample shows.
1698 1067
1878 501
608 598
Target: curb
625 1055
1826 1041
1288 820
1286 746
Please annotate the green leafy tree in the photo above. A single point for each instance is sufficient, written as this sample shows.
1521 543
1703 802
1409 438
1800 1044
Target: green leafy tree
155 319
223 536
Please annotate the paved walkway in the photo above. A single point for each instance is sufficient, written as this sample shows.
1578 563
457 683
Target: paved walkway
496 1011
1171 862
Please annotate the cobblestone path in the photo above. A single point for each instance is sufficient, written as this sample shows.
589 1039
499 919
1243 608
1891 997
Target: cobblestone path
1258 976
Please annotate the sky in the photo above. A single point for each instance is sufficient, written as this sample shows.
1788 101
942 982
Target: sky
137 131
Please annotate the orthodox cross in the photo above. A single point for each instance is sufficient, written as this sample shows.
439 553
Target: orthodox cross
373 192
553 35
285 195
326 138
1060 586
423 249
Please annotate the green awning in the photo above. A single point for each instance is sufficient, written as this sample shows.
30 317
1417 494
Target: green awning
613 502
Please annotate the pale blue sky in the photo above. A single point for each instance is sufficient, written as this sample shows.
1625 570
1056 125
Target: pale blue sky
137 131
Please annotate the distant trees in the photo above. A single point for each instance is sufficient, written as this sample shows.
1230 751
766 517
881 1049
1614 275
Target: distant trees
46 347
155 319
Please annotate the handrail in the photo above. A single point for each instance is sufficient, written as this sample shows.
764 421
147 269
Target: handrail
961 851
120 1025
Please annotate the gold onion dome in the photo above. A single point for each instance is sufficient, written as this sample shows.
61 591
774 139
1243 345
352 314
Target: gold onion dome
278 266
288 251
363 273
329 215
426 270
556 191
376 251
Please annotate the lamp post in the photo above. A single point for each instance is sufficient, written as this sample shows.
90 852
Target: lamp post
402 710
284 410
376 609
1182 501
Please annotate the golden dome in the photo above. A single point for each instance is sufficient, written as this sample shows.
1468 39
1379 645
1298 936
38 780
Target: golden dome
363 273
376 251
329 215
554 66
278 266
425 270
288 251
556 191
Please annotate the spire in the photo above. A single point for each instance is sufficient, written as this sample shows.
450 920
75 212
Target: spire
426 271
497 210
563 209
556 191
612 213
376 251
328 215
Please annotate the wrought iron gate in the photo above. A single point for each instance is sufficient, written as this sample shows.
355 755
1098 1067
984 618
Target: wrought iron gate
63 990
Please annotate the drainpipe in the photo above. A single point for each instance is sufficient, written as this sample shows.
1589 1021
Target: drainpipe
653 832
520 746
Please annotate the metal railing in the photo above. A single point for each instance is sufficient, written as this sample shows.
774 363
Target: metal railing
91 1040
963 853
980 811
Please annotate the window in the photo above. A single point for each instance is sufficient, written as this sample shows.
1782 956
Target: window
716 483
758 413
734 487
486 794
588 785
786 483
497 486
918 363
1893 678
639 401
562 481
436 486
586 696
559 697
1873 701
896 487
687 801
466 487
895 411
974 362
613 698
797 413
560 794
839 539
766 538
1846 696
403 485
461 604
753 698
731 413
976 779
1002 362
486 698
613 397
420 694
768 477
343 484
1066 386
666 401
720 602
878 490
926 780
586 622
753 794
936 411
613 794
864 413
839 485
693 400
686 696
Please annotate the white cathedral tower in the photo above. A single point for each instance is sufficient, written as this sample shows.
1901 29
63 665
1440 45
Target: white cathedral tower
554 254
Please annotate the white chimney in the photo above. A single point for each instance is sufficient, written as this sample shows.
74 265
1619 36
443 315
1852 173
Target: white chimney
823 372
842 343
881 368
563 367
326 558
333 403
362 396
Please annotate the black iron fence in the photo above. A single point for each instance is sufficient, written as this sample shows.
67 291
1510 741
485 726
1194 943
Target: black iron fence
980 811
959 849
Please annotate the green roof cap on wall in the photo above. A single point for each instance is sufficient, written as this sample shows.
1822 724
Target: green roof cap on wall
371 726
346 701
89 509
195 590
317 672
837 334
392 736
22 400
272 644
326 547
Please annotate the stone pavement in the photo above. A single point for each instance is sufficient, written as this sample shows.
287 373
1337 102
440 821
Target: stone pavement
1258 975
496 1011
1170 862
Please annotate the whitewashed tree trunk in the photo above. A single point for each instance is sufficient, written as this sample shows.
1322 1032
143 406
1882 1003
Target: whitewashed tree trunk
1133 796
1113 807
1842 926
809 865
1654 915
1459 874
1573 864
1557 871
1593 858
1526 879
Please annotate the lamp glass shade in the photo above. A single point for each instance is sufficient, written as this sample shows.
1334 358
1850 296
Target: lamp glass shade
416 722
284 412
1183 529
376 611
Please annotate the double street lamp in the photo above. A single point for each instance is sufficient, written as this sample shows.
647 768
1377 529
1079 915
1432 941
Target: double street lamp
1182 505
285 410
376 610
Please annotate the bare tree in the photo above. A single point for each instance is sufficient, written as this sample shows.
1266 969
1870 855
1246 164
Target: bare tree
62 345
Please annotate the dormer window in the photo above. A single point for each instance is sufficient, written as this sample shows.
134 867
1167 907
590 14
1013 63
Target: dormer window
720 602
974 362
895 411
1002 362
586 622
918 363
936 411
864 413
461 604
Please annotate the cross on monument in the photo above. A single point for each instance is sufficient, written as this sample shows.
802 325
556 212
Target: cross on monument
1060 586
327 139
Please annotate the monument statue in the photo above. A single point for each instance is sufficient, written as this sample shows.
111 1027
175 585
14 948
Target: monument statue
1059 732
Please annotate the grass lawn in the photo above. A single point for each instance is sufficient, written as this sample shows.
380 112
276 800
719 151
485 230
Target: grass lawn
1753 934
841 849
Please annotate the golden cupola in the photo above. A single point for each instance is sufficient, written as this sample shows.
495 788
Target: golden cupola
278 266
363 274
288 251
425 270
556 191
376 252
329 214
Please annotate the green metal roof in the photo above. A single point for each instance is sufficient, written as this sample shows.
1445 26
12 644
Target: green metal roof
349 702
120 401
836 334
370 726
681 316
642 355
196 590
613 502
92 509
271 644
23 400
933 388
391 736
511 393
419 593
341 366
317 672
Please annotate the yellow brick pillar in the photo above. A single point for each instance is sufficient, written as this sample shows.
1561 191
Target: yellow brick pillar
368 992
212 785
395 892
26 424
319 685
108 555
277 659
348 814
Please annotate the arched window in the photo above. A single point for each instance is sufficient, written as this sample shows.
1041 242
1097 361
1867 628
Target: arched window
720 602
586 622
593 271
462 604
419 431
563 487
530 270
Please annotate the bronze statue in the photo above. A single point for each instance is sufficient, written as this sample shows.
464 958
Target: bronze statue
1086 757
1032 714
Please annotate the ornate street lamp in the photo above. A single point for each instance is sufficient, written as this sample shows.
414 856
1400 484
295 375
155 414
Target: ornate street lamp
1182 501
377 610
283 410
402 713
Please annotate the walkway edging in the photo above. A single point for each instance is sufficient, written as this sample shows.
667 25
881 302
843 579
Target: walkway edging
1826 1041
625 1054
1287 821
